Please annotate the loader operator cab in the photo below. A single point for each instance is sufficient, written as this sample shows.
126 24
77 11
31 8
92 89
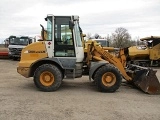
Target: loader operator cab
65 32
151 41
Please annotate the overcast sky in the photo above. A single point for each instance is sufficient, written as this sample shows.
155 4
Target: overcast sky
140 17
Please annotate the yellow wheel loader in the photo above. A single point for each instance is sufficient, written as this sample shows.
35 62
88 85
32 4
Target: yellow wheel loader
62 54
145 55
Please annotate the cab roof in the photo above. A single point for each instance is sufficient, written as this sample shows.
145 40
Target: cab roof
150 38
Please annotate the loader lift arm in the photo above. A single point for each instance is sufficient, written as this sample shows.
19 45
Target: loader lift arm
142 77
104 55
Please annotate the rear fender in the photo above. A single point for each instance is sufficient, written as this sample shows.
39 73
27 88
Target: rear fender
36 64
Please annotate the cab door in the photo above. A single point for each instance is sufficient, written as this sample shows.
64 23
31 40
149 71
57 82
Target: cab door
63 38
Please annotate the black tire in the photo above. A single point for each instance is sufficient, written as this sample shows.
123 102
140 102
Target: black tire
15 58
115 78
54 74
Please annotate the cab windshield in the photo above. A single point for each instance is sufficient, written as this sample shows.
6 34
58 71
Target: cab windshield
104 43
78 34
19 41
49 28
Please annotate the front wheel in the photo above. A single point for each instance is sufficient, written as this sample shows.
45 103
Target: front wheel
47 77
107 78
15 58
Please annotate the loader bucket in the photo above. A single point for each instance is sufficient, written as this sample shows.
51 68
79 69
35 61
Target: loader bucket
147 81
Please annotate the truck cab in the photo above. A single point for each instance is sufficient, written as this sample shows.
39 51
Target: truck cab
16 44
103 42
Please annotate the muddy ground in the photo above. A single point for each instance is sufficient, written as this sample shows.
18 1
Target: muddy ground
76 100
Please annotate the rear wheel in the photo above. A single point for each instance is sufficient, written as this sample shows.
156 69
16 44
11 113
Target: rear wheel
108 78
48 77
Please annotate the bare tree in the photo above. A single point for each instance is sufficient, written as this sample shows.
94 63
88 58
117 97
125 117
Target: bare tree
121 38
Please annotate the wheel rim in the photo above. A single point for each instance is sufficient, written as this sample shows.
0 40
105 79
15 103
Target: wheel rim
47 78
108 79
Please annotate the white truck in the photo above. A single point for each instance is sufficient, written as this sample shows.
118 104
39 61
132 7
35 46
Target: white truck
103 42
16 44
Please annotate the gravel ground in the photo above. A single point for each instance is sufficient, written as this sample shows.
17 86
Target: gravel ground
77 99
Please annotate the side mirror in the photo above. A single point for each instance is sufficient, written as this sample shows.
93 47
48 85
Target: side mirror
71 25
